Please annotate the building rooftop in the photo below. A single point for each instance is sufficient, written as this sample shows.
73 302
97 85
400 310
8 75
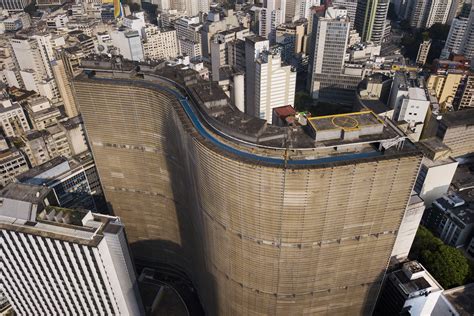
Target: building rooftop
462 298
348 126
413 280
38 170
458 206
24 192
458 118
9 155
417 94
48 220
213 113
434 148
284 111
464 177
256 38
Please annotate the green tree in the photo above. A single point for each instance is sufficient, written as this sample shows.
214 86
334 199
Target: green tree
447 264
31 8
303 101
135 7
439 31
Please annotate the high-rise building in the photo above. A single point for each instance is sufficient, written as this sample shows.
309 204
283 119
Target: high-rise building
370 20
179 5
193 7
410 102
188 31
467 45
63 261
467 97
263 219
271 15
456 130
452 218
425 13
409 290
275 85
64 87
128 43
445 86
220 52
216 22
350 6
160 43
326 60
14 5
299 9
254 45
455 37
12 163
12 118
75 181
423 51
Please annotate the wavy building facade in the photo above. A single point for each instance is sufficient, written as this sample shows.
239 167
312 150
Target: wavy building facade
265 220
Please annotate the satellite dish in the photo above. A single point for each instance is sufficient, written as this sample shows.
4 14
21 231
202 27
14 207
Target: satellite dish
100 48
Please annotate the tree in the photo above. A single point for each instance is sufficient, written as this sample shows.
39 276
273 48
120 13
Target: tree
439 31
135 7
31 8
303 101
447 264
424 240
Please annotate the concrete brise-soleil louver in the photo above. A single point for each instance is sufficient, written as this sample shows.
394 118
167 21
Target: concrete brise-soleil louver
59 261
264 220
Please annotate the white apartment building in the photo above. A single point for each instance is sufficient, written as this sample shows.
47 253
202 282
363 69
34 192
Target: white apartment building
220 48
254 45
29 58
41 113
160 43
410 103
455 37
12 118
439 12
34 55
193 7
330 36
62 261
12 163
412 107
58 21
467 45
188 31
128 43
423 51
272 15
136 21
467 98
274 85
425 13
14 5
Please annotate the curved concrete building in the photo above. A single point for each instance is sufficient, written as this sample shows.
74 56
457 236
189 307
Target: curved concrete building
265 220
